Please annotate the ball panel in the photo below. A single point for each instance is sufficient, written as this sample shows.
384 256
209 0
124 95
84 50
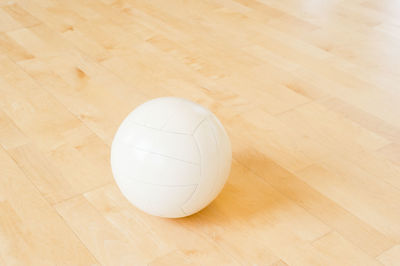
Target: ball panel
134 135
164 201
187 118
134 164
209 154
225 154
181 147
170 114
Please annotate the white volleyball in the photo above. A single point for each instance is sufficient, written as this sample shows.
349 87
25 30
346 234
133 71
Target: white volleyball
171 157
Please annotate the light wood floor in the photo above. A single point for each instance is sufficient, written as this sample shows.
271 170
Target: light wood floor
307 90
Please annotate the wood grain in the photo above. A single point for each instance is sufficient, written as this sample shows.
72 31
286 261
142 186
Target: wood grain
307 90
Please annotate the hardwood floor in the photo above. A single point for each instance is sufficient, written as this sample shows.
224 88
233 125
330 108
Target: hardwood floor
307 90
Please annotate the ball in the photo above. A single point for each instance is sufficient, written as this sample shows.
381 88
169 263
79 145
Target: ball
171 157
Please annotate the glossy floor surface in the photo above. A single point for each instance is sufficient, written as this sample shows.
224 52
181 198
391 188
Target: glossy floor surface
307 90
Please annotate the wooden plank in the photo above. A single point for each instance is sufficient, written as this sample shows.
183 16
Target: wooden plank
342 251
390 257
31 231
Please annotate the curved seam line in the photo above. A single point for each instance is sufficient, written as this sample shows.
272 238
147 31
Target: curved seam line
158 129
191 195
217 144
170 157
167 120
201 171
194 131
134 180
